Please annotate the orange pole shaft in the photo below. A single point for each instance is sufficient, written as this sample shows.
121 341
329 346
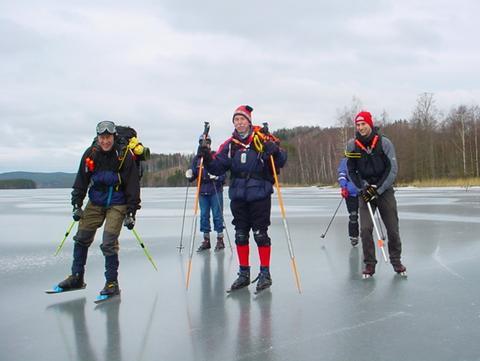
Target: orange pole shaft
195 211
287 232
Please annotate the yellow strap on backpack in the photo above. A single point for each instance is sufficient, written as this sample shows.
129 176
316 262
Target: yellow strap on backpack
257 143
353 155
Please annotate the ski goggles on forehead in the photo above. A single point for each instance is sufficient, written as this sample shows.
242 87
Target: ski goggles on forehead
106 127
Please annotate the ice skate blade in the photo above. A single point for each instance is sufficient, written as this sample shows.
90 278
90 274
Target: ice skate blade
258 291
366 276
231 290
57 289
105 298
402 274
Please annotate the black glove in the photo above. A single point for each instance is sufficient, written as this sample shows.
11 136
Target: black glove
129 220
77 212
270 148
369 193
204 151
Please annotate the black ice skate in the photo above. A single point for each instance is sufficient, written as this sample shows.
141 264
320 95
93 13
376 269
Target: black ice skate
354 241
110 290
264 280
71 283
242 281
368 271
400 269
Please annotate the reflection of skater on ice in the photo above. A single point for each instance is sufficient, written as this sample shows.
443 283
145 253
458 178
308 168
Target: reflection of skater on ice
74 311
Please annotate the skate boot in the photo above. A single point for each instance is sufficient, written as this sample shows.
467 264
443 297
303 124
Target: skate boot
205 244
72 282
220 244
264 279
111 289
354 241
368 271
243 279
400 269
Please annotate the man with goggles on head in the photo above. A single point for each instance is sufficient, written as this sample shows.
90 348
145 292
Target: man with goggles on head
111 178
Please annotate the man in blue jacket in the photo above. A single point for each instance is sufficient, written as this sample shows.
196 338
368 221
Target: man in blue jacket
246 154
210 198
350 194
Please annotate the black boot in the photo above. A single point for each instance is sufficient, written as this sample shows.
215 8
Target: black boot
354 241
205 245
111 267
264 279
369 270
220 244
80 253
73 282
243 279
399 268
111 289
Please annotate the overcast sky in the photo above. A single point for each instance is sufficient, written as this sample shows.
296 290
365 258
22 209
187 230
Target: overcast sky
166 66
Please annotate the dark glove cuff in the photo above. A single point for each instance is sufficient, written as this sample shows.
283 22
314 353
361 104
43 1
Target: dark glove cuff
76 203
207 158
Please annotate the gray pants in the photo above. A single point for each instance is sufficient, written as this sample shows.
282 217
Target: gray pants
387 206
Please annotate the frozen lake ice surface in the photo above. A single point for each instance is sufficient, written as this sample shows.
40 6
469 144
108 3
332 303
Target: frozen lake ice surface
434 314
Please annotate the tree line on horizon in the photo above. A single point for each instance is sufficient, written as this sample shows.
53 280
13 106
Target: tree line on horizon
17 184
429 145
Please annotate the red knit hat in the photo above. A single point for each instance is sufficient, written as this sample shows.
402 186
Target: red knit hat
366 117
244 110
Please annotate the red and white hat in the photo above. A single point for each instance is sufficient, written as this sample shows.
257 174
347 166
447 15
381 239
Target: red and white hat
366 117
244 110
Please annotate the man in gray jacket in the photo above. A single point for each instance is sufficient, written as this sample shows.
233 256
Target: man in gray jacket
372 167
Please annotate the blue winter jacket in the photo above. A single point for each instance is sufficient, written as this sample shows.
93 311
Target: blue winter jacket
208 186
250 172
108 183
343 178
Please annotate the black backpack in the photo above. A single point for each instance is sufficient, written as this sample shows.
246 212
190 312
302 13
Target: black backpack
124 142
127 140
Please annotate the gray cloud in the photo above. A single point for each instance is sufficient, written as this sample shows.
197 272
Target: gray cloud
165 67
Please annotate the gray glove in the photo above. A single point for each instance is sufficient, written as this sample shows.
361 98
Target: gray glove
129 221
77 212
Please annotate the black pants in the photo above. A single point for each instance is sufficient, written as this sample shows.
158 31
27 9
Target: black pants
251 215
352 208
387 206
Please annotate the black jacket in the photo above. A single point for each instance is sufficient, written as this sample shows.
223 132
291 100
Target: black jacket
374 166
109 182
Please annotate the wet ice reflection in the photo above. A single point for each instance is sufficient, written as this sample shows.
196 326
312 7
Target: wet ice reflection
434 314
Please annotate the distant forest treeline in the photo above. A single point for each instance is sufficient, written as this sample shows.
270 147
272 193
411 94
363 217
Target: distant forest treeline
429 145
432 147
17 184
